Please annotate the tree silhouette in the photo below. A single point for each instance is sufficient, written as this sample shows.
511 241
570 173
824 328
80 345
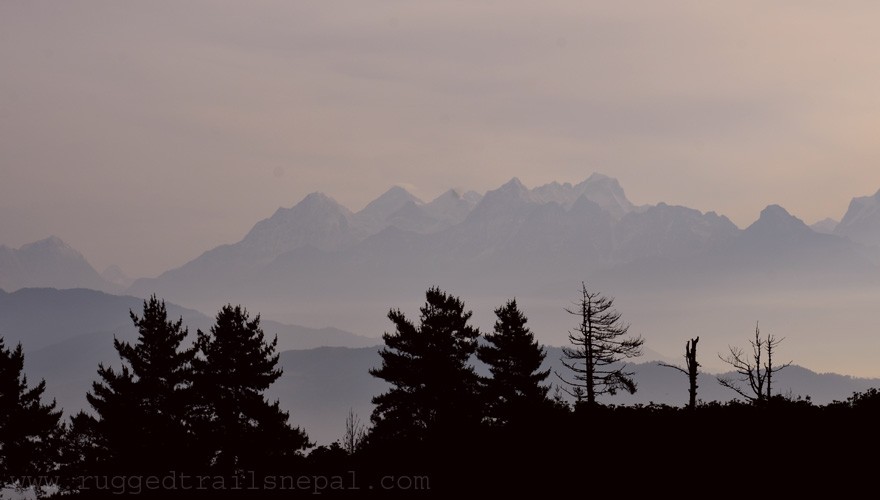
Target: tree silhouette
433 388
600 344
238 428
514 359
30 431
355 433
143 409
692 372
757 374
83 453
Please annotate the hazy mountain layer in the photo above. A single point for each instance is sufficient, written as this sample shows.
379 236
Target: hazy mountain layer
48 263
67 333
676 271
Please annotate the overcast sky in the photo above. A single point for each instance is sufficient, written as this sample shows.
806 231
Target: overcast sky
143 133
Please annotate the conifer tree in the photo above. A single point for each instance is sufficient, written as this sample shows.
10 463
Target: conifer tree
433 387
29 429
83 453
514 357
600 345
239 429
143 409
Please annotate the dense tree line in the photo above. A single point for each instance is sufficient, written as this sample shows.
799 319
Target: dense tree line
191 412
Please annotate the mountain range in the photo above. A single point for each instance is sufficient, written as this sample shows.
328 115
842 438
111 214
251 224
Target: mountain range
509 234
318 263
675 271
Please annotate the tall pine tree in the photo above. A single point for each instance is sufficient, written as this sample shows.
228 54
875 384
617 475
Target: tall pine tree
433 386
600 345
143 409
514 391
29 430
239 429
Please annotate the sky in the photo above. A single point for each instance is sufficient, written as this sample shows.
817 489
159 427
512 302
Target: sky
144 133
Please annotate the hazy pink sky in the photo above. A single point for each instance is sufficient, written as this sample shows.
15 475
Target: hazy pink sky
143 133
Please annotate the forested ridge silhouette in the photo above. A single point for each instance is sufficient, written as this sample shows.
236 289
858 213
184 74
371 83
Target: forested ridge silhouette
192 419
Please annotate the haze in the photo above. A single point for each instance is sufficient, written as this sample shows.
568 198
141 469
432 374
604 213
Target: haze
145 133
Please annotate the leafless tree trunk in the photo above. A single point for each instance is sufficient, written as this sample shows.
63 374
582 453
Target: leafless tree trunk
769 369
690 357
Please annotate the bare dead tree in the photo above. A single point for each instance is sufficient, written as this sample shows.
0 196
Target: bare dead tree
600 344
752 370
355 433
749 369
690 357
770 345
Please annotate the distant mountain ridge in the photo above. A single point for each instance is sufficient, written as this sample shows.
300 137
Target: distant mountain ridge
319 261
618 232
463 221
41 318
676 270
48 262
599 188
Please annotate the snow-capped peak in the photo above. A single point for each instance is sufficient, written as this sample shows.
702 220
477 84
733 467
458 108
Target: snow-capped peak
607 193
318 220
450 207
374 217
511 190
514 185
563 194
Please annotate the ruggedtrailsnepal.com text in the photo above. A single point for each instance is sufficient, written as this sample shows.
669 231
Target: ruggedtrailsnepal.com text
248 481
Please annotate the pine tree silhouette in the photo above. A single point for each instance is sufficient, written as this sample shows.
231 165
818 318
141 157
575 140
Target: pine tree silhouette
434 389
30 431
238 428
514 391
143 409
